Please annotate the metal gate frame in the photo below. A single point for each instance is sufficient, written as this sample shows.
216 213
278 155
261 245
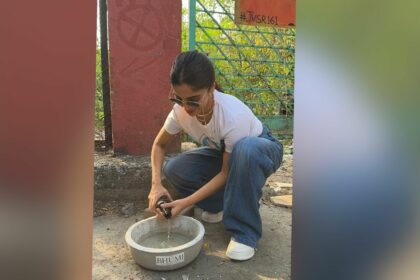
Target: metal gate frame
268 74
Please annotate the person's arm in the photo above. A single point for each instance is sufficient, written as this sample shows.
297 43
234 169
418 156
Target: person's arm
157 158
207 190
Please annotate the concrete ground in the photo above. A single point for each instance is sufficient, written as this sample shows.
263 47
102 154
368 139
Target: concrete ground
112 259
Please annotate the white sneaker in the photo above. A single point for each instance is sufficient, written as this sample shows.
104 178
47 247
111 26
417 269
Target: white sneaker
198 212
238 251
212 218
208 217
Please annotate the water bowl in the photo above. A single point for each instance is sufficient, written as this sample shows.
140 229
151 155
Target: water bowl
164 259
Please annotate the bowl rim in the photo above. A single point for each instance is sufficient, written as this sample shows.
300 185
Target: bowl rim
137 246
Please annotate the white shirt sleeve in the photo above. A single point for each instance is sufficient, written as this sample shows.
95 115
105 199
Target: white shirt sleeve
239 128
171 124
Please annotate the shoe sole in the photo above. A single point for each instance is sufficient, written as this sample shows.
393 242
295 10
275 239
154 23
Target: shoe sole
235 257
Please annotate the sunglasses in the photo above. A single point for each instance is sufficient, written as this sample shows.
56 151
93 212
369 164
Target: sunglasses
181 103
190 103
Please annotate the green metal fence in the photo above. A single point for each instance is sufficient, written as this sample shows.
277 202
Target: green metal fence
254 63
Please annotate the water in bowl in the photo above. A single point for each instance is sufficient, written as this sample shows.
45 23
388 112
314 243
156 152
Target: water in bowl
169 230
160 240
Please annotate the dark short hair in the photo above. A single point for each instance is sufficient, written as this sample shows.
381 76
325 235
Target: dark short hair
194 69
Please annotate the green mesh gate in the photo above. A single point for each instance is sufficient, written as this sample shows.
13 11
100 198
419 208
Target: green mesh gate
256 64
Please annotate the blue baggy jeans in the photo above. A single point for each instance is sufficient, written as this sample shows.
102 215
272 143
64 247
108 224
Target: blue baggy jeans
252 161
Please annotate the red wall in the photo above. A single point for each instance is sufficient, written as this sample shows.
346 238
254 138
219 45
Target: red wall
144 38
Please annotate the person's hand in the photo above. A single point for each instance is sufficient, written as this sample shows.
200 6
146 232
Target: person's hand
156 192
177 206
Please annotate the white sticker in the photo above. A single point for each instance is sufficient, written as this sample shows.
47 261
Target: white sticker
170 260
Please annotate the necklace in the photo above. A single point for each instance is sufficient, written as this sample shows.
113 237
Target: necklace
202 117
206 114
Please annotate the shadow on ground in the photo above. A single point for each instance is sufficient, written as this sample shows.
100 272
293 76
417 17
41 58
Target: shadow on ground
112 259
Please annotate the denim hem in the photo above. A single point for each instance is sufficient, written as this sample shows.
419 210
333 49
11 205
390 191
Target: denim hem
245 241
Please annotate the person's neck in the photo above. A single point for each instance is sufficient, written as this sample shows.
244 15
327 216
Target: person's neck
204 118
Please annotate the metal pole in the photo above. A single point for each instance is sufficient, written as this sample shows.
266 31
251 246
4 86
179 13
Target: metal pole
192 25
103 10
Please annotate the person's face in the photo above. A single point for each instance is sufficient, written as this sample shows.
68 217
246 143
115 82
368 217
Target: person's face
193 101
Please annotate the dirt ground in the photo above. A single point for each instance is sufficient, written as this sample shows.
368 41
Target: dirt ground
112 259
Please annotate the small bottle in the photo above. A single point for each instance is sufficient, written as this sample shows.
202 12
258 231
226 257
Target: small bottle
166 211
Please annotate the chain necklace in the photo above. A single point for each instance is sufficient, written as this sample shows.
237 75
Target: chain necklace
206 114
202 117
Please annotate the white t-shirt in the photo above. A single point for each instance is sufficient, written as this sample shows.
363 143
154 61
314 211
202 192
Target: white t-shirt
232 120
